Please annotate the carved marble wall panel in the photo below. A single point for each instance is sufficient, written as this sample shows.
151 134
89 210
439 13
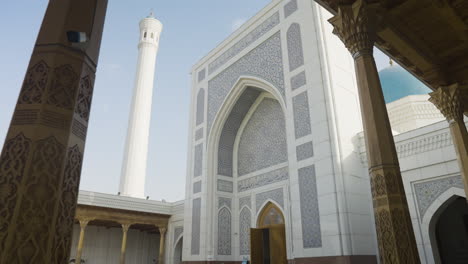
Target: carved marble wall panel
197 187
264 61
295 52
290 8
245 223
200 107
201 75
196 215
225 186
298 80
255 34
263 141
274 195
224 201
305 151
301 115
231 126
245 201
199 134
263 179
178 230
224 232
198 160
428 191
310 215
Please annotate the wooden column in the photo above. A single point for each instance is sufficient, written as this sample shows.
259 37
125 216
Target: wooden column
162 233
40 164
79 250
123 248
452 101
356 26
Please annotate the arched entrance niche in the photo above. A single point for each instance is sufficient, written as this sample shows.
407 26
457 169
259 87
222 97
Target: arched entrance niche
449 231
268 240
177 258
249 97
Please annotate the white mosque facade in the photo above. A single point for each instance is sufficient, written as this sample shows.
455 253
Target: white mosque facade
275 143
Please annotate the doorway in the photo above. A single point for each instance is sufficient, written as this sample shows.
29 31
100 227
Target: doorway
268 240
451 232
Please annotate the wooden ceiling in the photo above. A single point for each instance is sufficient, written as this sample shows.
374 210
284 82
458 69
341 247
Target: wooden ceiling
427 37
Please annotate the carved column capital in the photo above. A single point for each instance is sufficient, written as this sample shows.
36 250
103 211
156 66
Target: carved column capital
356 25
84 222
451 101
162 230
125 227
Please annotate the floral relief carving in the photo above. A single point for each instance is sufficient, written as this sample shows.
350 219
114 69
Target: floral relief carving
62 90
34 84
12 164
37 208
85 96
224 232
245 224
67 204
178 231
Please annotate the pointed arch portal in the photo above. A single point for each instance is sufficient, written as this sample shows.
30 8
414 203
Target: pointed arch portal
268 241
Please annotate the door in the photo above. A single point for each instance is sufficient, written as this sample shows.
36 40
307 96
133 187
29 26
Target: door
277 244
256 246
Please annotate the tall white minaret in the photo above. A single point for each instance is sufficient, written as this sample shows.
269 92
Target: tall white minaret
132 181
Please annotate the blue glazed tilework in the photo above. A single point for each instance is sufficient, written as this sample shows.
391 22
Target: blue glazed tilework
224 232
263 179
198 160
295 52
301 115
274 195
196 216
305 151
298 80
310 215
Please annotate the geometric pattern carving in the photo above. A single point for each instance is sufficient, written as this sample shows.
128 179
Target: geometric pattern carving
61 92
274 195
85 95
198 160
197 187
255 34
428 191
36 210
223 201
245 201
225 186
67 204
199 134
298 80
230 128
244 230
263 140
79 129
294 40
305 151
34 84
12 164
224 232
290 8
310 215
200 106
263 179
196 215
252 64
201 75
178 230
301 115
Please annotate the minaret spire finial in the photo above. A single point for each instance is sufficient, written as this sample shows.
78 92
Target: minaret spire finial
151 13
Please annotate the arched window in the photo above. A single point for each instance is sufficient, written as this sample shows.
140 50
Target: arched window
271 215
144 35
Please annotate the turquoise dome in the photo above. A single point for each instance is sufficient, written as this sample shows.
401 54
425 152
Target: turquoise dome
397 83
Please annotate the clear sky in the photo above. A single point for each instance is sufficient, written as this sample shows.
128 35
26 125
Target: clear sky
191 30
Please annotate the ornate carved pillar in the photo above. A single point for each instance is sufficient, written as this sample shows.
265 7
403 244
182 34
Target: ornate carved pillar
162 233
40 163
79 250
123 248
452 101
356 26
